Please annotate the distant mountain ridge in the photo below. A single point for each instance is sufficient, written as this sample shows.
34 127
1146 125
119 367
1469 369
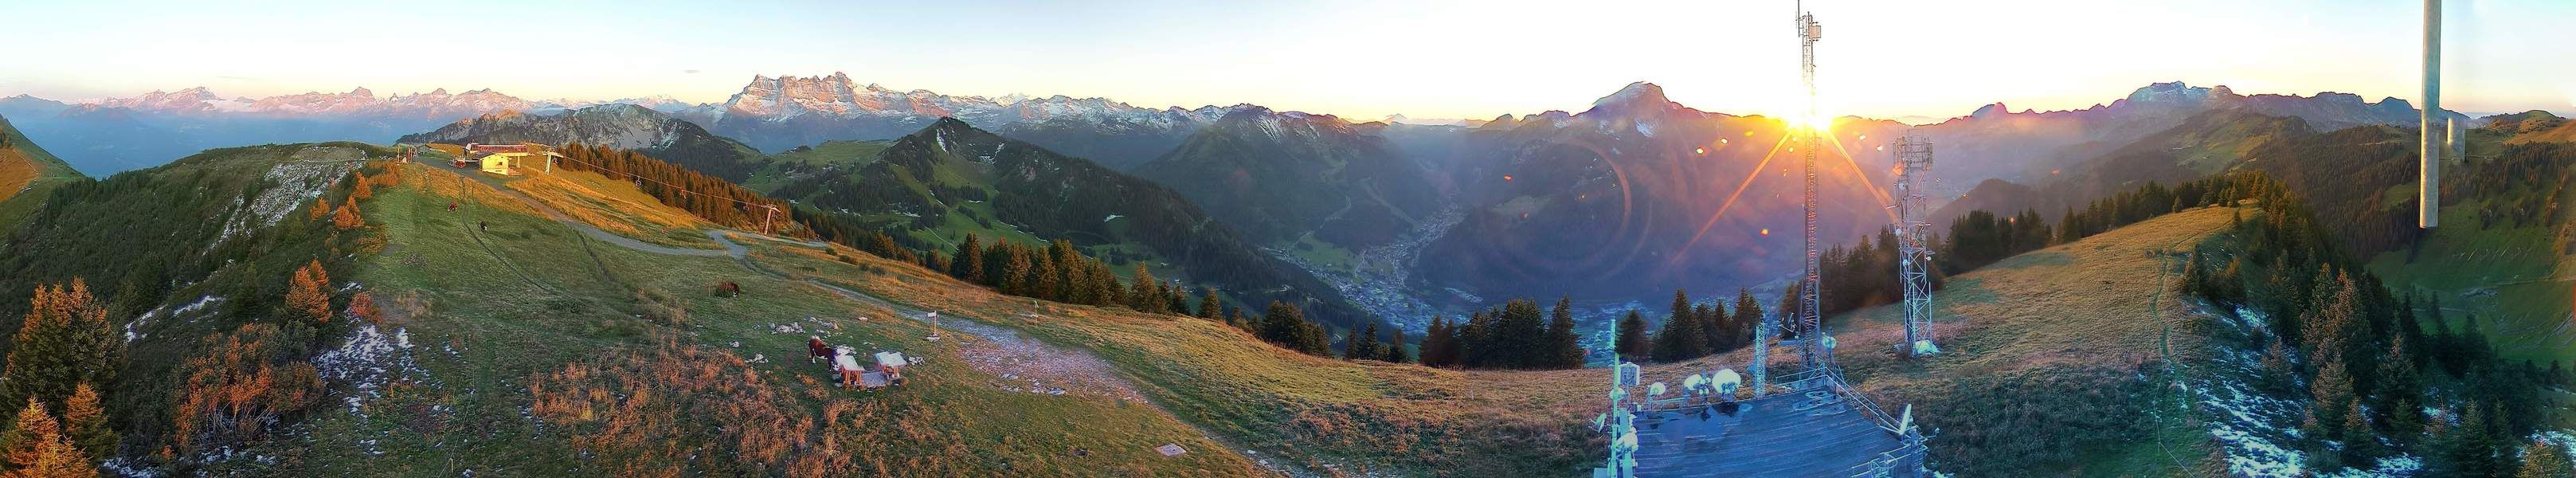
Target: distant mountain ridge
1995 142
622 126
777 113
1279 176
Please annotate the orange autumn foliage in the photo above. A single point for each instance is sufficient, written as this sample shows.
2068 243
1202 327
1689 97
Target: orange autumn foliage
237 385
306 296
348 218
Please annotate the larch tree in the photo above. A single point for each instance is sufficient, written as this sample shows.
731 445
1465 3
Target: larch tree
37 447
360 190
307 296
2543 459
29 434
1145 294
364 306
85 423
347 216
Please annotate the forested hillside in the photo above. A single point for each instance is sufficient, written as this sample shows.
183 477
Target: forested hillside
931 188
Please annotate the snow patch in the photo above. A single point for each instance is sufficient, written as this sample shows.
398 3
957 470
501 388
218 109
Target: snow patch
367 361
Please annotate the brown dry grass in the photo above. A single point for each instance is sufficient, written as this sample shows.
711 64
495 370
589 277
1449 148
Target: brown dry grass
418 177
16 170
613 206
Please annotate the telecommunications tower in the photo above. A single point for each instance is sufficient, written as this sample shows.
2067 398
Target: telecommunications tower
1813 343
1913 228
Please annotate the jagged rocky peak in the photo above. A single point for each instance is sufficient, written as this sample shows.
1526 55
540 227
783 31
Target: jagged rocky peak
1638 96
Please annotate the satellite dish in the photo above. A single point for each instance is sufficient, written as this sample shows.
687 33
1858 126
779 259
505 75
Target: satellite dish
1655 390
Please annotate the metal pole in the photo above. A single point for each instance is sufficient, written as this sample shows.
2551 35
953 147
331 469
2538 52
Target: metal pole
2428 185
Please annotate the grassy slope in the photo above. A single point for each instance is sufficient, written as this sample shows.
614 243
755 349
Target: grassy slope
1313 411
27 173
2516 280
2512 278
613 206
835 154
540 296
2079 316
2092 309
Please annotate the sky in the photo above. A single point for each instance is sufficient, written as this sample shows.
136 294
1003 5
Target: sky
1358 59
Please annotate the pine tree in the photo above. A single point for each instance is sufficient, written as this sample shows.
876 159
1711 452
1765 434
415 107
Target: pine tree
1712 327
1069 265
306 300
1680 338
1748 314
1018 274
969 261
1632 343
1209 304
1476 347
1395 346
1043 280
1521 336
2360 443
85 423
1283 324
2331 393
1437 342
1104 285
65 340
1361 343
2474 445
1565 349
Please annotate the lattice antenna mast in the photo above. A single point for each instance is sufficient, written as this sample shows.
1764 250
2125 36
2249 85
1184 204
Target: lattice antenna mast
1620 422
1810 327
1913 230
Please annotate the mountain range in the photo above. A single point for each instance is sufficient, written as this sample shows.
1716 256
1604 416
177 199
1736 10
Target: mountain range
775 114
1633 194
